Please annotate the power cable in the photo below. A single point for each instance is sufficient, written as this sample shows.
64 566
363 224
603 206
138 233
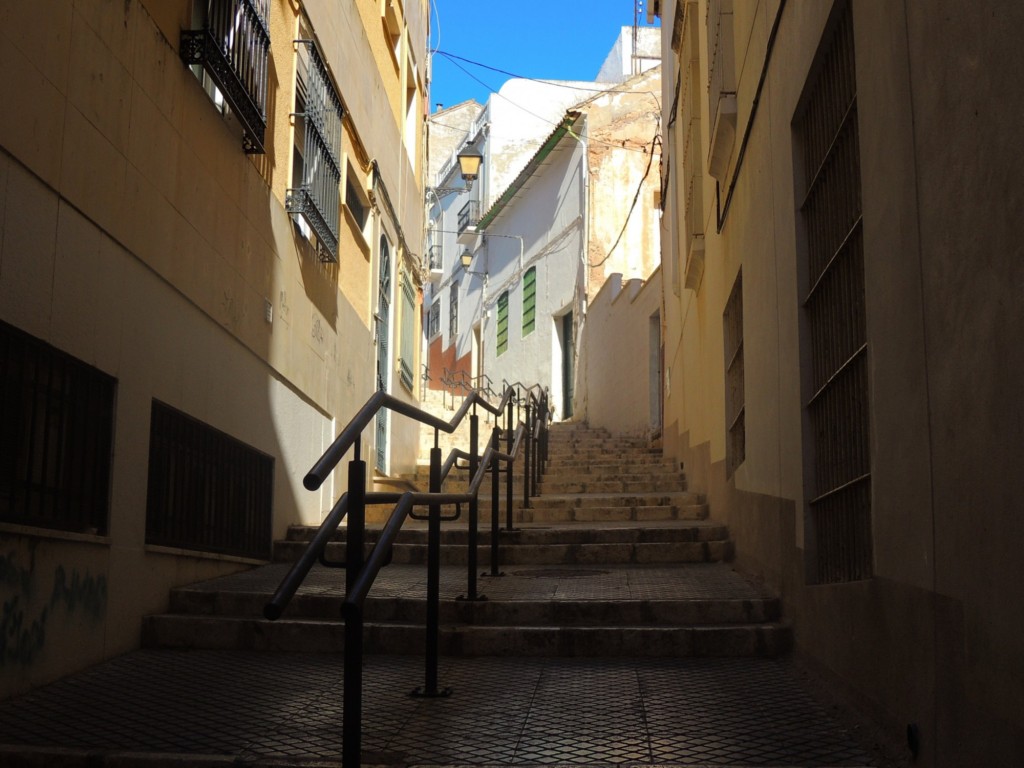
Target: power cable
636 197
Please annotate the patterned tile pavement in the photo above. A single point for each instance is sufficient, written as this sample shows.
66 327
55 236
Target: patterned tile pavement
503 711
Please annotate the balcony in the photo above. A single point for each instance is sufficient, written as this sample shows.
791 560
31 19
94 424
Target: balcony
435 262
469 216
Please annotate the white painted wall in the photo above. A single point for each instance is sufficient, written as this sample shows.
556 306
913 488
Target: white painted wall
549 215
619 65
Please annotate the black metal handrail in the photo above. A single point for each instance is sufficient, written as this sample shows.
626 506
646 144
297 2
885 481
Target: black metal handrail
362 570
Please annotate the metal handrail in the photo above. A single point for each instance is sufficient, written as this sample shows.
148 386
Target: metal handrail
362 571
350 435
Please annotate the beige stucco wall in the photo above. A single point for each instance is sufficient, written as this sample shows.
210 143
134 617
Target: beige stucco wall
623 156
137 236
619 364
928 640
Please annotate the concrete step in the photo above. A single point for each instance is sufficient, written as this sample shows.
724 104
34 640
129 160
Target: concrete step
581 613
416 533
696 543
570 610
560 485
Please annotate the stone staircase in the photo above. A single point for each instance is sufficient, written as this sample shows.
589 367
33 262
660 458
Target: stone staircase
614 558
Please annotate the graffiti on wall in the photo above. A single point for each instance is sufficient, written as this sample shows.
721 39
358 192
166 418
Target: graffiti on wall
29 602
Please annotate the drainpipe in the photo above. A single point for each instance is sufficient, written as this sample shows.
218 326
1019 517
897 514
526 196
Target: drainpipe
584 265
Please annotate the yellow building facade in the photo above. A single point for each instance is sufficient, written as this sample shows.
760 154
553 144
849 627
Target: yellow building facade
207 211
841 281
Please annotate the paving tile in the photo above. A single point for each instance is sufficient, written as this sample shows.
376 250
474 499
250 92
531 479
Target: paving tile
514 711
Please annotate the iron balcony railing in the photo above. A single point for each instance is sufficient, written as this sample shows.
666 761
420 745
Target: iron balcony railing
528 442
435 257
469 215
318 198
232 47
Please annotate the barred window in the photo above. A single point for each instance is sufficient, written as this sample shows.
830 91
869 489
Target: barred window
502 345
207 491
453 312
434 320
529 300
56 437
315 197
227 49
838 407
406 360
735 405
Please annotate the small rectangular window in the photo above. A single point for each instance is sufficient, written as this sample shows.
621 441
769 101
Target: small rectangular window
354 201
502 345
529 300
434 320
453 312
207 491
56 437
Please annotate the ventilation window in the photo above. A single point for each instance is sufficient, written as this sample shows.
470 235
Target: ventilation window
207 491
56 437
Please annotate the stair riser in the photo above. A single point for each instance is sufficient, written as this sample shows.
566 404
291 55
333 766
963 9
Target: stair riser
580 554
323 637
521 613
567 486
552 516
538 536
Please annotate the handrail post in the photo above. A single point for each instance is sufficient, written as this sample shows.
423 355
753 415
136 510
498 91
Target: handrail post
352 696
509 421
544 433
474 507
538 459
429 688
495 444
528 439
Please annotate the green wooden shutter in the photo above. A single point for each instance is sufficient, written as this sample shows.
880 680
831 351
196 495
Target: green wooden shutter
503 322
529 300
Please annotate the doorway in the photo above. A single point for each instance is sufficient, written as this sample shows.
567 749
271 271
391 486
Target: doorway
568 365
383 319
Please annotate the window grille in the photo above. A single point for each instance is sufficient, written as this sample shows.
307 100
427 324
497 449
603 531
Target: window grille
406 361
231 45
56 437
317 170
502 344
207 491
838 408
434 320
529 300
453 312
735 406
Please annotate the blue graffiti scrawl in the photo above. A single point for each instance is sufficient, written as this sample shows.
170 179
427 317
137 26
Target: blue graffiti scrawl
23 622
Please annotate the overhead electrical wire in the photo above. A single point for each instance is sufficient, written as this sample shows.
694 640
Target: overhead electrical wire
636 197
544 119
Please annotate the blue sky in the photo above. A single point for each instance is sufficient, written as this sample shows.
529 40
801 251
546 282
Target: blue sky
533 38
